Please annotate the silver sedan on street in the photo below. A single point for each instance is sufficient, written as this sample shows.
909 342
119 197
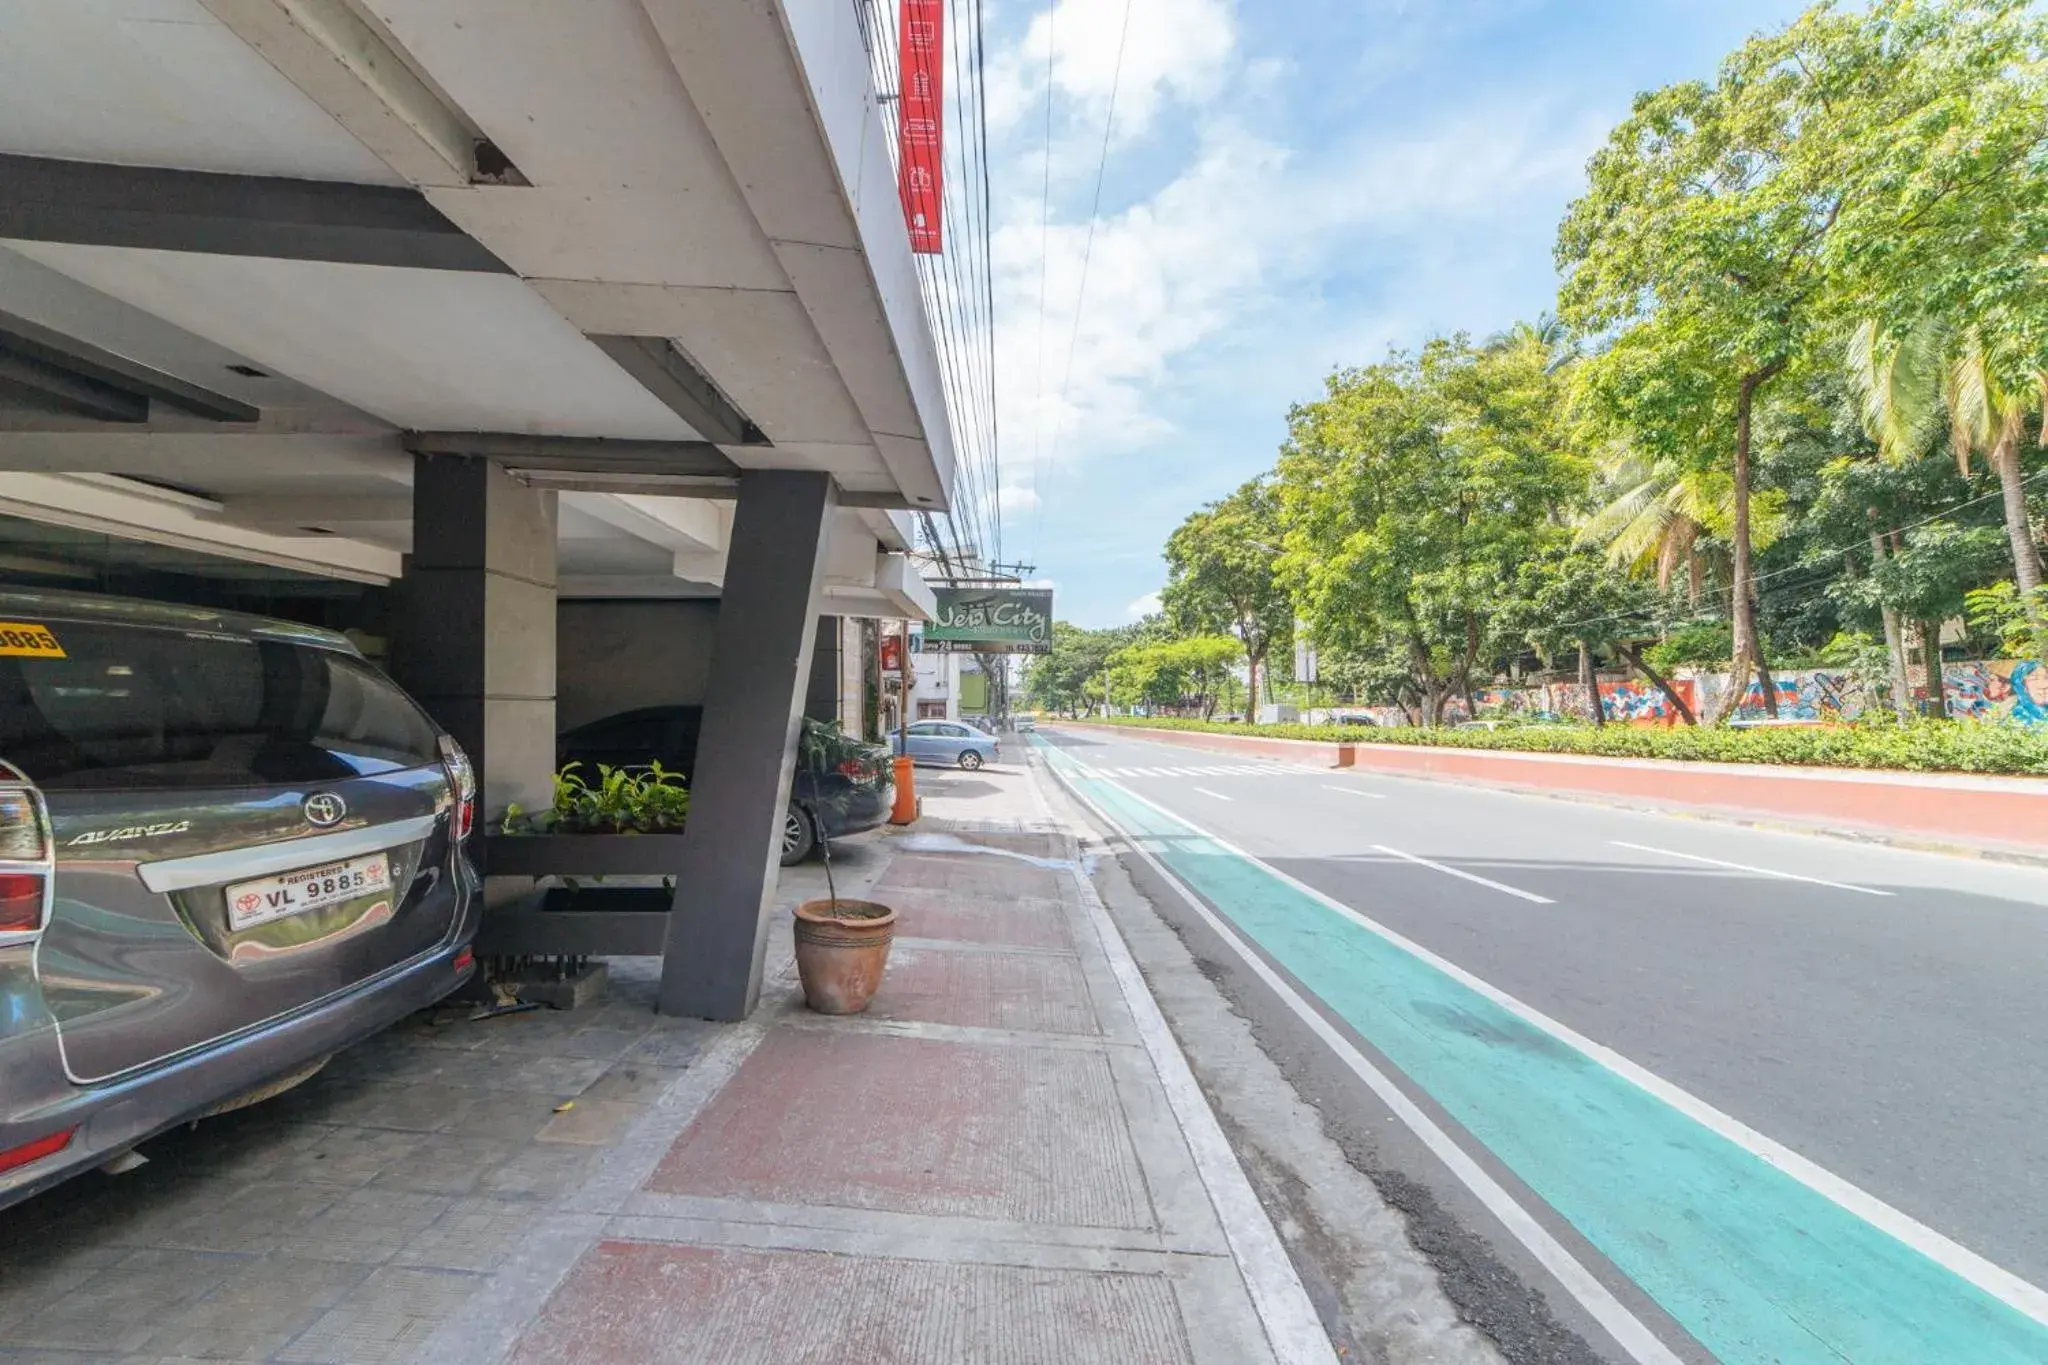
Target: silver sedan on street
947 742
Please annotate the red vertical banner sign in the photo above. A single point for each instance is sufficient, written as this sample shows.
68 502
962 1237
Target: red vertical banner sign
920 120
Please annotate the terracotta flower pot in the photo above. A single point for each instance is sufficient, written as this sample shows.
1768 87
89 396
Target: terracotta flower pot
841 950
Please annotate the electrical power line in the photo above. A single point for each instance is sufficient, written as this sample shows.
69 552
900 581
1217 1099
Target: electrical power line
1081 294
1729 591
1044 257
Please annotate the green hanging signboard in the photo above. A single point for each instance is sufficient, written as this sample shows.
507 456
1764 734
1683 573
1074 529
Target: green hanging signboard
990 621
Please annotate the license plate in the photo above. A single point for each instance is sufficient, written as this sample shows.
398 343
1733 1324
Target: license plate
294 893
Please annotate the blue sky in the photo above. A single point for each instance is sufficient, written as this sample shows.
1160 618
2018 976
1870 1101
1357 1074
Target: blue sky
1291 187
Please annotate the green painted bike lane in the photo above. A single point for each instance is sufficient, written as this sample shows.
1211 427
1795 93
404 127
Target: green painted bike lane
1758 1267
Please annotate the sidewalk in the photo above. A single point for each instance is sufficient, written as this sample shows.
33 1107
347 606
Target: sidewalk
1005 1160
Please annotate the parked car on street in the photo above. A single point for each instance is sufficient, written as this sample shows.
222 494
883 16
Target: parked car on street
229 847
947 743
841 785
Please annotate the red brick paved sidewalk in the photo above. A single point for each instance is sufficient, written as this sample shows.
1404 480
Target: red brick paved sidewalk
986 1167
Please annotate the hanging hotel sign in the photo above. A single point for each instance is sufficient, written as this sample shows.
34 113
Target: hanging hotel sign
990 621
920 121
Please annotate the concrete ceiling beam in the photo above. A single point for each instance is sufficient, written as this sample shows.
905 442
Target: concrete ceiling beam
349 65
85 203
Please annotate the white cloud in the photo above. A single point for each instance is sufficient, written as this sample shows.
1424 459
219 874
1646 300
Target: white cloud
1247 229
1179 49
1144 606
1018 498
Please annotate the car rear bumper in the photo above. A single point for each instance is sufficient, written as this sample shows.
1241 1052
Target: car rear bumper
112 1118
859 811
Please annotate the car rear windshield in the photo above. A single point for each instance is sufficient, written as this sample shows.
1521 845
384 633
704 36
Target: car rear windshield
129 707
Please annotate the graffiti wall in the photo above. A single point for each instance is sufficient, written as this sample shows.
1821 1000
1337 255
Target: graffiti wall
2004 689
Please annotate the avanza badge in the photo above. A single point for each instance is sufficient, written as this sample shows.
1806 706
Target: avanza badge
23 639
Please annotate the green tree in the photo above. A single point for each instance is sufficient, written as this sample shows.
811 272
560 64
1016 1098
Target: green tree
1174 673
1409 494
1914 384
1221 578
1063 679
1700 248
1571 601
1941 242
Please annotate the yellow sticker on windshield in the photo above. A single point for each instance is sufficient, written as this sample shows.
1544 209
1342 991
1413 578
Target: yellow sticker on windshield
26 640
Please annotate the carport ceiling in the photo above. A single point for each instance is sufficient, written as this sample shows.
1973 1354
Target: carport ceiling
433 349
730 284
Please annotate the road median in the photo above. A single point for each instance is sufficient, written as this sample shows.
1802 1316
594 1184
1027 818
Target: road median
1953 812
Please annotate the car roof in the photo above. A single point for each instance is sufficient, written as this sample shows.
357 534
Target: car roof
100 609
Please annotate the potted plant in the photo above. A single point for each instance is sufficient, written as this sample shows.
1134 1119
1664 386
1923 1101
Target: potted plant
842 946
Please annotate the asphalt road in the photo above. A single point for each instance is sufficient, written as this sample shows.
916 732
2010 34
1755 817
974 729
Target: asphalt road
1781 1098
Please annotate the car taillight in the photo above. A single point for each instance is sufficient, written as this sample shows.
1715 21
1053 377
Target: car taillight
21 902
37 1150
462 776
855 769
25 862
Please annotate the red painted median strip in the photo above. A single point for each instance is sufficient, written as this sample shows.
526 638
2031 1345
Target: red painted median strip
1948 807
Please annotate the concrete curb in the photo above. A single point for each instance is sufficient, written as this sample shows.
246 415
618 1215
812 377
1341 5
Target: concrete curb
1963 815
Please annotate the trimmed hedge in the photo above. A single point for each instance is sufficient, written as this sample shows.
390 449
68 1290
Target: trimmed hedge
1929 746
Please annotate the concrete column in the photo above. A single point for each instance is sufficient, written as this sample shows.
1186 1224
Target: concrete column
760 671
476 643
821 698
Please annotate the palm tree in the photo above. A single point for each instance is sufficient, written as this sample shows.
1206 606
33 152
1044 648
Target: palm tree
1910 381
1660 517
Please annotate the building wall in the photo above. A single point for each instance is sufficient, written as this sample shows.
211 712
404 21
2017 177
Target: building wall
935 686
854 666
619 655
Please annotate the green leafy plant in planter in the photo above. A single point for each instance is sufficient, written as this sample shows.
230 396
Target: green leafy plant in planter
620 801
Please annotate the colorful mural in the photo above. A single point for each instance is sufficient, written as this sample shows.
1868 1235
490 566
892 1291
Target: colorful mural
1633 702
1805 696
2006 689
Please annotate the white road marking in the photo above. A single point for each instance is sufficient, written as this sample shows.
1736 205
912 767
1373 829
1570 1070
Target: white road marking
1987 1275
1354 791
1625 1327
1466 876
1745 867
1206 792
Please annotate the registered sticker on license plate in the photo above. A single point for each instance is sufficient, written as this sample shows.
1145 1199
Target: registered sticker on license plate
293 893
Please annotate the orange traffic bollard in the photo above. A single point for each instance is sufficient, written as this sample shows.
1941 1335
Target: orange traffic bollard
905 809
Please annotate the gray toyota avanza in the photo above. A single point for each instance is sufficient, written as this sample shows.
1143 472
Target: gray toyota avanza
229 847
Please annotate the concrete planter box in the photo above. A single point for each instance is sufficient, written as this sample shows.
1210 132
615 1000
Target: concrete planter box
586 921
582 855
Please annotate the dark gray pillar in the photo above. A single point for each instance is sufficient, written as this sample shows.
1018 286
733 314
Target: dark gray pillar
760 669
821 699
476 644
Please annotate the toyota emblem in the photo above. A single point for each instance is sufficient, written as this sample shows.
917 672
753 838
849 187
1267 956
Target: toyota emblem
325 808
